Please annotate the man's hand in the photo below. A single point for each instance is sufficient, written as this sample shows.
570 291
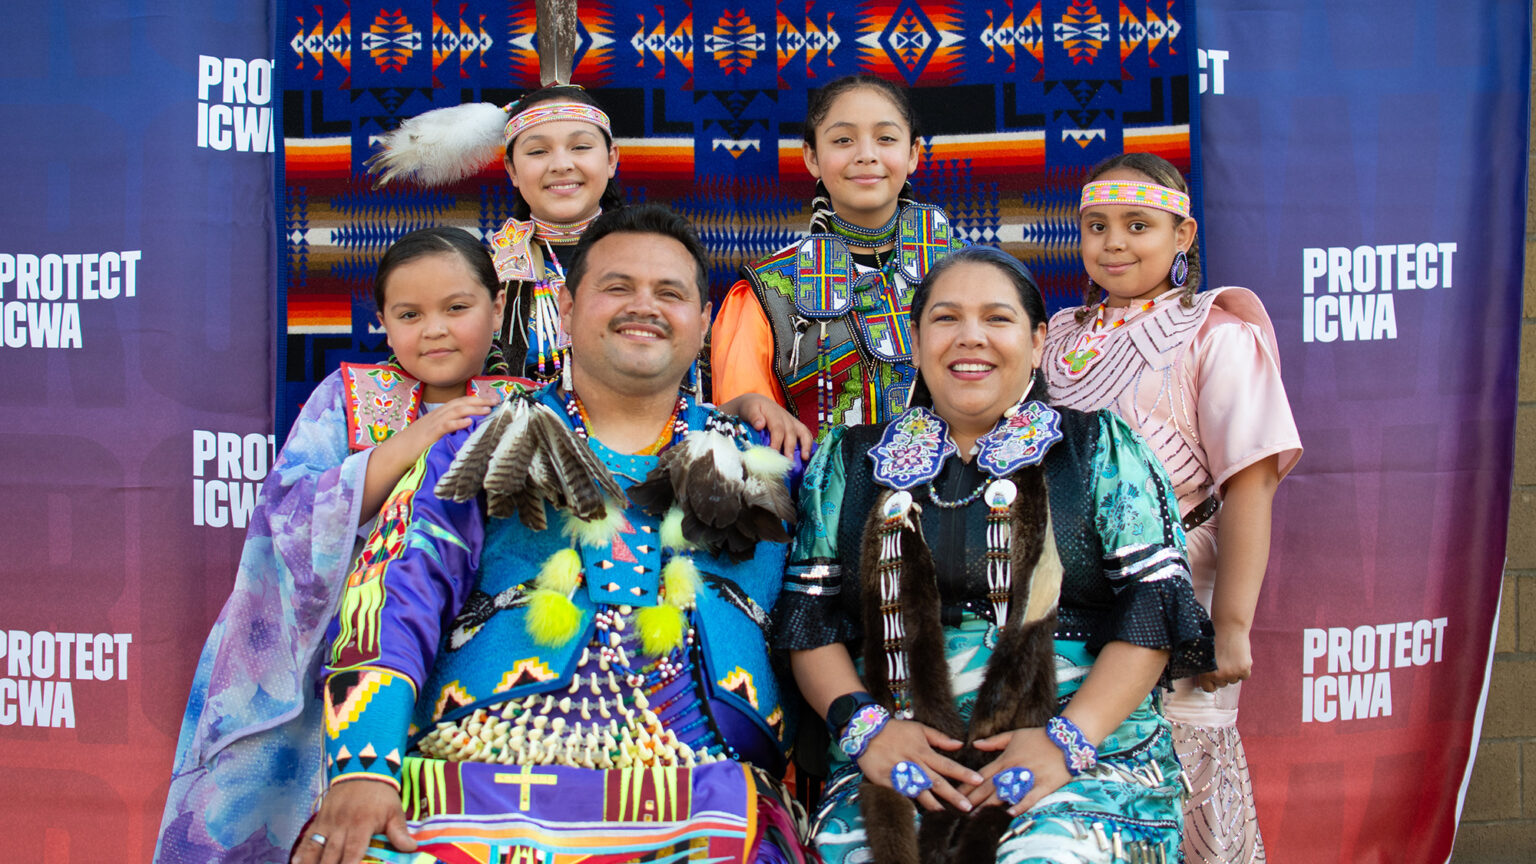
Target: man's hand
350 814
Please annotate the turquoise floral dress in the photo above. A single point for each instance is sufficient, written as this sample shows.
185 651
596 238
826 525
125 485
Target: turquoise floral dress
1125 578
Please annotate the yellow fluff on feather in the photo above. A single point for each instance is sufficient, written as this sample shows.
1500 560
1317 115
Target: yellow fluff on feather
598 533
661 628
552 618
561 572
680 582
765 462
672 531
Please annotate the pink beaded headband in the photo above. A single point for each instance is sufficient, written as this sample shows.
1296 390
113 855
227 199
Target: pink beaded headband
549 112
1135 192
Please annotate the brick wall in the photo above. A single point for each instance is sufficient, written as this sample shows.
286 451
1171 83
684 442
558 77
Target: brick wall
1498 823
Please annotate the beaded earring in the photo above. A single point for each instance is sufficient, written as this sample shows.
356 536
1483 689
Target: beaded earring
1178 274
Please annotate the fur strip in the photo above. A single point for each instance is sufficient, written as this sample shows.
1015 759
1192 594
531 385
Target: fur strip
933 703
890 824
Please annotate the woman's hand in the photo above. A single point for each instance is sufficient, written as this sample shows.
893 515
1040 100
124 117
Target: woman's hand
1021 748
1234 659
785 433
909 741
350 814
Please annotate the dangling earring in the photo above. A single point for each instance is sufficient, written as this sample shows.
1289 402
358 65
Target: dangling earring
1179 272
565 376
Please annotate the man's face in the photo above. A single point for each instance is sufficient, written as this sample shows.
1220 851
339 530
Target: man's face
635 320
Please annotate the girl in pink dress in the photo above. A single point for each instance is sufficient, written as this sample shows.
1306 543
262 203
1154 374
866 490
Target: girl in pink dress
1198 376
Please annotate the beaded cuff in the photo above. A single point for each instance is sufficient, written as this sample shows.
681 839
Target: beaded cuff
862 729
1075 748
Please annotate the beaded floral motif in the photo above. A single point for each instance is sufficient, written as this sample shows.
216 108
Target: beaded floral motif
1021 439
512 252
912 449
380 401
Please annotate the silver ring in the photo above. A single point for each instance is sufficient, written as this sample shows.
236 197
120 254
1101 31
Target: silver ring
317 838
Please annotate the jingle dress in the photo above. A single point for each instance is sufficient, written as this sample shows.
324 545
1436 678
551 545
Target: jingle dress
505 742
1202 385
249 760
822 329
1124 578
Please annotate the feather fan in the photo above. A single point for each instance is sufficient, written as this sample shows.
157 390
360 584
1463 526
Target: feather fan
522 455
728 506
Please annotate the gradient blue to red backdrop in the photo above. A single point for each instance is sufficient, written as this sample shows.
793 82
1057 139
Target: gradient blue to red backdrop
1341 148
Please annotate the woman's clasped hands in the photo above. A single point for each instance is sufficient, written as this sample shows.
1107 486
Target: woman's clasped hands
907 741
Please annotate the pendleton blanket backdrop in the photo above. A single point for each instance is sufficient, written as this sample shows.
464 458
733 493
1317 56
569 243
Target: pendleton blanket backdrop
154 280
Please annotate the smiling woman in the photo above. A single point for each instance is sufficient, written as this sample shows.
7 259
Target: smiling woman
1029 561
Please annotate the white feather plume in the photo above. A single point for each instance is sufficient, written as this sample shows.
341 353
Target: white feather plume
441 146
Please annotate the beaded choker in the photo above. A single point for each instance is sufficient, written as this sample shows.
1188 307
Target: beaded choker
865 238
675 427
562 232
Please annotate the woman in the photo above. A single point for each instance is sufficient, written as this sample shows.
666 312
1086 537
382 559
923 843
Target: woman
919 537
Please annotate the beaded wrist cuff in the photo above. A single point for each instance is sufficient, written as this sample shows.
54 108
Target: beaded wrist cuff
862 729
1080 754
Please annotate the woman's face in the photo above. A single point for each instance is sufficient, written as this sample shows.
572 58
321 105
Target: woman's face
975 345
561 169
864 152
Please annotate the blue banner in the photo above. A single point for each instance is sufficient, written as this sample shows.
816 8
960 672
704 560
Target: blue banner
1365 174
136 327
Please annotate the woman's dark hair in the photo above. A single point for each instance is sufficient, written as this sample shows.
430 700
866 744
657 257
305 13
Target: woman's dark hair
1159 171
613 196
642 219
438 240
1018 275
821 102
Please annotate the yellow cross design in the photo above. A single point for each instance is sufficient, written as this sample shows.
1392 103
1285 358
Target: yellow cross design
526 779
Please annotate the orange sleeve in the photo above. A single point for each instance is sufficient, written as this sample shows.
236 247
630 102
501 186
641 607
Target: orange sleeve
741 348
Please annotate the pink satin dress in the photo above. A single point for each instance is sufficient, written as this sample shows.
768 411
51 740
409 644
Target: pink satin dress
1202 385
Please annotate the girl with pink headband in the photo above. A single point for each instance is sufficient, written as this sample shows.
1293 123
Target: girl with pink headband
1198 375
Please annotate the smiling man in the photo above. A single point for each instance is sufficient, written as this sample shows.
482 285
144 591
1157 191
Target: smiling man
546 647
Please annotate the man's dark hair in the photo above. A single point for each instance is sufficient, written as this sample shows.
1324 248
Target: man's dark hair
642 219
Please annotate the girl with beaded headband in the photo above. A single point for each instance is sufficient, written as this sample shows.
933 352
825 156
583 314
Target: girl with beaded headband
248 762
1197 374
557 146
561 159
821 326
950 566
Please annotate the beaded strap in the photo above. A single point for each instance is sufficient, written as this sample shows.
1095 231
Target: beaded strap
1075 748
862 729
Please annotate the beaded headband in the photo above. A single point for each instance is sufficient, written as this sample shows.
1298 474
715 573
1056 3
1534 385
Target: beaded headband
549 112
1135 192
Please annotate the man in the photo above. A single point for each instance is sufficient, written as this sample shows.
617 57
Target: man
590 678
